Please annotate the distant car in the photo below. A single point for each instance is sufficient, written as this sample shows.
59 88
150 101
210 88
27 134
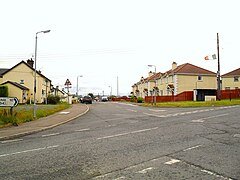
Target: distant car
104 99
87 100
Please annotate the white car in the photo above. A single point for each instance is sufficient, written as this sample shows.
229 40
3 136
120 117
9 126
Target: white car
104 99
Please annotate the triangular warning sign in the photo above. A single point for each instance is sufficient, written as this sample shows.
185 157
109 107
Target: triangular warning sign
67 83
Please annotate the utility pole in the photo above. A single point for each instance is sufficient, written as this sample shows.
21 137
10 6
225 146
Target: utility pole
218 72
117 86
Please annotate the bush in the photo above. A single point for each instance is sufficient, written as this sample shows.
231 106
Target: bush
133 99
53 99
139 100
3 91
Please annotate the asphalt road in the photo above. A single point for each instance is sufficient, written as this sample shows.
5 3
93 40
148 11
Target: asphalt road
124 141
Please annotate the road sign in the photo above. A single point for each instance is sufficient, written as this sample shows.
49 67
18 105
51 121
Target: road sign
8 101
67 83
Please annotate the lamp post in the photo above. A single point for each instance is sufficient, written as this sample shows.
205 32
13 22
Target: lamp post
77 84
35 72
155 82
110 91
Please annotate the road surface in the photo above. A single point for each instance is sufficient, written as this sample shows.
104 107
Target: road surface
125 141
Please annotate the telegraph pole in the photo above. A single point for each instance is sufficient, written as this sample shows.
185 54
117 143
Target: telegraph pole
218 72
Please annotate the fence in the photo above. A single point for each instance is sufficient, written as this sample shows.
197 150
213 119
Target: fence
184 96
230 94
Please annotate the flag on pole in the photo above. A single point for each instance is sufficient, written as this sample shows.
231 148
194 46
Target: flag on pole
210 57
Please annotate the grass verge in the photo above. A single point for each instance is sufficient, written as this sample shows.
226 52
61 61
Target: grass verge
195 103
24 113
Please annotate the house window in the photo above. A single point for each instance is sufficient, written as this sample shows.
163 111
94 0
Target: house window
236 88
227 88
236 78
21 81
200 78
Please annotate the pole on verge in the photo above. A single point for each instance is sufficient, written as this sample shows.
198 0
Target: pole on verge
35 74
218 72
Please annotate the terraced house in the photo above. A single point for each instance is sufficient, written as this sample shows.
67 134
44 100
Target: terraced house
179 79
231 80
20 82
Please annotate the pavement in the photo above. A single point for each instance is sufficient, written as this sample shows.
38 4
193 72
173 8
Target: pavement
41 124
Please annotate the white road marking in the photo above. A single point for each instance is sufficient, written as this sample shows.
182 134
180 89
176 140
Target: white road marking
172 161
194 147
30 150
9 141
126 104
81 130
236 135
122 177
123 134
131 110
144 171
214 174
53 134
64 112
157 110
210 117
198 120
155 115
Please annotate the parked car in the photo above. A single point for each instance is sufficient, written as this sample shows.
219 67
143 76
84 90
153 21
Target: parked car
104 99
87 100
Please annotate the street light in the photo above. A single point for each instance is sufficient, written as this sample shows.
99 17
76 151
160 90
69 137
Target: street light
110 91
35 72
77 84
155 83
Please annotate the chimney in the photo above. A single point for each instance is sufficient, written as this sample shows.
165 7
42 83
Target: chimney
174 65
150 73
30 62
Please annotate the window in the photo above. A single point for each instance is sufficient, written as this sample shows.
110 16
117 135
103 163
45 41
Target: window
236 78
21 81
200 78
227 88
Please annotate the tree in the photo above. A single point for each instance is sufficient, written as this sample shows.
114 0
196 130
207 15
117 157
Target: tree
3 91
91 94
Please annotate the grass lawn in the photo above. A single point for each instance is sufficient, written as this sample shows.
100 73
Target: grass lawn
24 113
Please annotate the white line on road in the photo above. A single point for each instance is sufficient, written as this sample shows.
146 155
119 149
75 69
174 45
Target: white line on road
53 134
64 112
198 120
236 135
144 171
133 132
30 150
210 117
194 147
122 177
172 161
131 110
214 174
157 110
9 141
81 130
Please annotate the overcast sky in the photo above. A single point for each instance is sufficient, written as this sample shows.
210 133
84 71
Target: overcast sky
105 39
